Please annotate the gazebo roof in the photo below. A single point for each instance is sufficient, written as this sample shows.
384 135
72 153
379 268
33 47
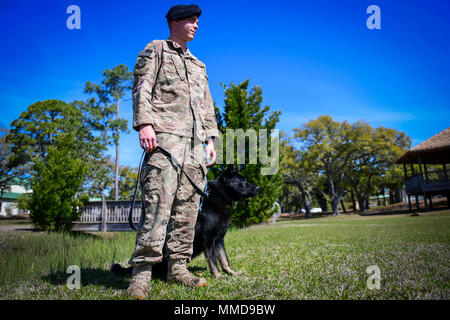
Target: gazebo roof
435 150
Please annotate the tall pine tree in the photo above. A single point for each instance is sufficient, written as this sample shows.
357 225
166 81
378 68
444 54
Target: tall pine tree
113 87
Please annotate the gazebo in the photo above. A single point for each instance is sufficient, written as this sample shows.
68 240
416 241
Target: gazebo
433 152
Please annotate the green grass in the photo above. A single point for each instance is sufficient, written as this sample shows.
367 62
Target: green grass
323 258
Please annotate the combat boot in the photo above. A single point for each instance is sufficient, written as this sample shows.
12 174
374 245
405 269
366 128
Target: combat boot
178 272
140 282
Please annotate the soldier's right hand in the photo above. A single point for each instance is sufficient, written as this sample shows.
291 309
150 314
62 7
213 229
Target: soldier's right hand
147 138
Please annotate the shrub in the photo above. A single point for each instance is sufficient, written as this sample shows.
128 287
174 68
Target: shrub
57 180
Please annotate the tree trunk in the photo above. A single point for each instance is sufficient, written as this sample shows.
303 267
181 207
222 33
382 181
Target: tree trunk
343 206
322 202
353 201
391 196
336 198
362 203
116 175
307 202
384 198
335 194
398 195
335 206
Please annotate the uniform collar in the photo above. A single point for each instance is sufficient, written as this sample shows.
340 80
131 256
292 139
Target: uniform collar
175 45
178 48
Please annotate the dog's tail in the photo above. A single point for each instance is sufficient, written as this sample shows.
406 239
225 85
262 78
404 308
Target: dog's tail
118 270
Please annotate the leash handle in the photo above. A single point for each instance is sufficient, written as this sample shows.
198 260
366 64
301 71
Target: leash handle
130 214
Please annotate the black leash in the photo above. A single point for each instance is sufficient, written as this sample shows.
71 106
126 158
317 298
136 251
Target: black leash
175 162
130 214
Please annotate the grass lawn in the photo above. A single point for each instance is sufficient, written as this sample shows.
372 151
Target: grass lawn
322 258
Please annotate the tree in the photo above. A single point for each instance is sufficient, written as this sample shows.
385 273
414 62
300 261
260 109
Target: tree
54 139
127 183
8 171
99 177
394 179
329 147
112 88
38 127
348 157
320 192
376 151
297 171
243 111
55 200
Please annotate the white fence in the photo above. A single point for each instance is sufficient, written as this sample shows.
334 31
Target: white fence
107 215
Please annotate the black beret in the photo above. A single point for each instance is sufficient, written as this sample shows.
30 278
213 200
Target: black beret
182 11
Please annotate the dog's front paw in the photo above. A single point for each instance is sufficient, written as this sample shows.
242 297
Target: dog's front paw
217 275
234 273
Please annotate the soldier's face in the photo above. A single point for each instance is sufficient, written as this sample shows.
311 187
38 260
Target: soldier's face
186 28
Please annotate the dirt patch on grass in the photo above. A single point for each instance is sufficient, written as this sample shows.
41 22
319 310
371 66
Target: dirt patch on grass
15 227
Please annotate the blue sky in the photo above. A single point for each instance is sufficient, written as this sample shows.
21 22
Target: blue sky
309 57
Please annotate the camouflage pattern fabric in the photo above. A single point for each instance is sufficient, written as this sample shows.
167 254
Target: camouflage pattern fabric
170 201
140 282
178 273
171 92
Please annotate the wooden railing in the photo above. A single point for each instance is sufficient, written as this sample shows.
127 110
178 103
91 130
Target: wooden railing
428 181
436 177
107 215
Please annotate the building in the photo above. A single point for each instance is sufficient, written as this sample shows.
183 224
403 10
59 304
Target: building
8 199
433 154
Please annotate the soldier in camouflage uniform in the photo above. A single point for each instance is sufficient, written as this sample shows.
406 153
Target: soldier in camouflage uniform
172 108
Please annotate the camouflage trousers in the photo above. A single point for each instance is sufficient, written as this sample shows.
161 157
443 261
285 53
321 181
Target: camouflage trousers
170 201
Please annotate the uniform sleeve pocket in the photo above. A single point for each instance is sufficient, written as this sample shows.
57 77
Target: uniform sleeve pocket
142 66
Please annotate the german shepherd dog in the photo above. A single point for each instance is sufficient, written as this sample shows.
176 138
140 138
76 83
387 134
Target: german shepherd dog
212 223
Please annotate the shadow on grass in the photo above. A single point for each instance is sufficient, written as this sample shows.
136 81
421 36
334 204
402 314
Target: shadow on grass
90 276
106 278
382 211
303 217
17 218
30 229
197 269
400 211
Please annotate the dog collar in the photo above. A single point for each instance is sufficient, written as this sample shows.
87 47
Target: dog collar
221 194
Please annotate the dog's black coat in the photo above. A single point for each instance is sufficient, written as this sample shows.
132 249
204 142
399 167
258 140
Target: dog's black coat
212 223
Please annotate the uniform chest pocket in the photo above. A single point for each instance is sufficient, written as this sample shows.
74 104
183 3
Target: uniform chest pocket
197 73
173 67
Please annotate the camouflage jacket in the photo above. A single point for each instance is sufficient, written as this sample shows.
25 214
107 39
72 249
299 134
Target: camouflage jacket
171 92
